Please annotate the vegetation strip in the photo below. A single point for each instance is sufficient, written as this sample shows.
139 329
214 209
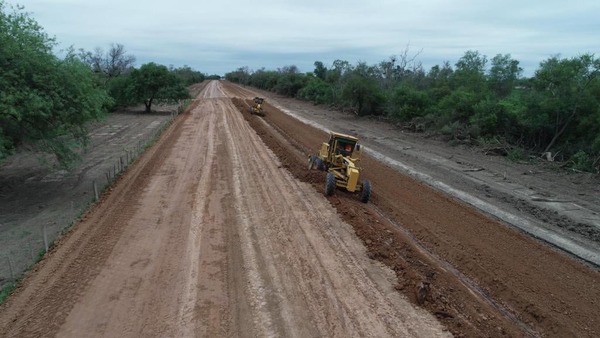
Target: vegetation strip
553 114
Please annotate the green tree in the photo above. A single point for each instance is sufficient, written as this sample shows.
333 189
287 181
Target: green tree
362 93
335 76
470 71
407 103
111 69
467 85
240 75
568 89
320 70
188 75
339 69
118 89
458 106
153 82
503 74
289 81
439 80
264 79
316 90
45 102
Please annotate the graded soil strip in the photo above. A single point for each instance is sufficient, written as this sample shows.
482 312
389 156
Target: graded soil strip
503 283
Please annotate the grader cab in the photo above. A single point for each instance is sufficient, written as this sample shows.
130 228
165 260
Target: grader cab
338 157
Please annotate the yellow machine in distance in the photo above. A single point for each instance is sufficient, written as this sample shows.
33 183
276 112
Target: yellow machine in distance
257 106
338 157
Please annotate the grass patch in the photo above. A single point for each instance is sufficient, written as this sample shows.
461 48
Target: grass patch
7 289
516 155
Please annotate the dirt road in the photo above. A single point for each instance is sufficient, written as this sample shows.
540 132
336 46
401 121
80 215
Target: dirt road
210 235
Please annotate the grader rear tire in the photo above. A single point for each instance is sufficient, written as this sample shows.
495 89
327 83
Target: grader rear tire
319 164
329 184
365 193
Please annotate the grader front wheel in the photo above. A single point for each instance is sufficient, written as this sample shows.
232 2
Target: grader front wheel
311 162
314 162
329 184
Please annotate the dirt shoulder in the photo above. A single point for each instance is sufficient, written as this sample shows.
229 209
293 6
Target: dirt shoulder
485 278
34 195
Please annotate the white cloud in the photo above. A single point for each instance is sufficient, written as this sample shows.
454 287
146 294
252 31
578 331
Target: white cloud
219 36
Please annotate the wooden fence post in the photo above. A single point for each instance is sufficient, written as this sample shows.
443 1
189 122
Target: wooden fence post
31 251
45 234
10 267
95 191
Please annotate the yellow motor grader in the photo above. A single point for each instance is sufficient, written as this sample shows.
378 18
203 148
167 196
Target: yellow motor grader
257 106
339 157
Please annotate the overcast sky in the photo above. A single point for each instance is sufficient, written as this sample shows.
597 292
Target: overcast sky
219 36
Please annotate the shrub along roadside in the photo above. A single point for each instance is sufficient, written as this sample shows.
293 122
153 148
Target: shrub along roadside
557 110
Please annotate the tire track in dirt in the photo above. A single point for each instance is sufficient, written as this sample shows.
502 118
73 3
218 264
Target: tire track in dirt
206 257
138 286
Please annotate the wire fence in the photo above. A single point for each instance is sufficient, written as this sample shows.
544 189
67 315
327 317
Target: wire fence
31 246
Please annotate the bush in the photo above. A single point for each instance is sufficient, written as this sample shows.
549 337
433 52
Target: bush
363 94
459 105
6 290
407 103
516 154
485 118
451 129
118 89
582 161
289 84
317 91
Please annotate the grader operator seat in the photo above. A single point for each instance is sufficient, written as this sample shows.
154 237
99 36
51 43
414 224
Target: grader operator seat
345 149
340 147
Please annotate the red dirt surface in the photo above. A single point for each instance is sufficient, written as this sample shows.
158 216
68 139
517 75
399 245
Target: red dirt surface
485 278
207 234
210 233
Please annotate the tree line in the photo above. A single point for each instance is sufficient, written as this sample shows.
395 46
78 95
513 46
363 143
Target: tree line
46 101
556 112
